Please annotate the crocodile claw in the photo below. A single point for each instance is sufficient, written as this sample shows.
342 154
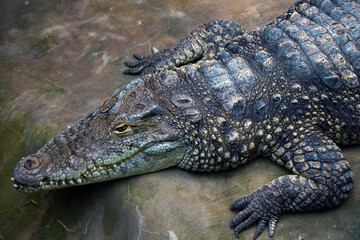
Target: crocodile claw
139 57
154 50
260 227
132 64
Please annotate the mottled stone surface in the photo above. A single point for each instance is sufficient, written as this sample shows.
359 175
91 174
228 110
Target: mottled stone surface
58 60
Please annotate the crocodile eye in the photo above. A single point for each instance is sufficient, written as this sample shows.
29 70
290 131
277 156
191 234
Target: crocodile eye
31 164
122 130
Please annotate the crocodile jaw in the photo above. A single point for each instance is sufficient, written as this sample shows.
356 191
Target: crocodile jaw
153 158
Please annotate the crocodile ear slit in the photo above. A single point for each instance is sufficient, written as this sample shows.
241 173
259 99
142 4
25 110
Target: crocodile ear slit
153 110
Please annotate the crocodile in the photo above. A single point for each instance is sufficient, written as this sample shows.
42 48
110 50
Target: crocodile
221 97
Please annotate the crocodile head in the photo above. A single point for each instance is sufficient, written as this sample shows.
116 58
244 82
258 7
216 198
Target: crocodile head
129 134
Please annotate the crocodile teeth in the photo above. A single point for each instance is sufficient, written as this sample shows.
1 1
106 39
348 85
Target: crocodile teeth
63 183
51 183
71 182
78 180
41 184
16 186
12 179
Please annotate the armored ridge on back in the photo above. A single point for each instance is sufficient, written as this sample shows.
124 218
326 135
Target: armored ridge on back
222 96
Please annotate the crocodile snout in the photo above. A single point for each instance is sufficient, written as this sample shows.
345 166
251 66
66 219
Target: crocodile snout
28 170
31 163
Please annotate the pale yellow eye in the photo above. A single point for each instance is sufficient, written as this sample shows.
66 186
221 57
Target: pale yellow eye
122 130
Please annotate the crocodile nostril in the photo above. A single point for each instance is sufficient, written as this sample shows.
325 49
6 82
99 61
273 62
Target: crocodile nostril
31 164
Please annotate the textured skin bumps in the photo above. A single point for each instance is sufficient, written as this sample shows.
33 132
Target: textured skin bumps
221 97
288 91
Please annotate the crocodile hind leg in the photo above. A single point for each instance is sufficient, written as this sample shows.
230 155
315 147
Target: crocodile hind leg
204 41
323 180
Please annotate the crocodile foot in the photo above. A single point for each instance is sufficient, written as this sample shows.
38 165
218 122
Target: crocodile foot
143 66
253 208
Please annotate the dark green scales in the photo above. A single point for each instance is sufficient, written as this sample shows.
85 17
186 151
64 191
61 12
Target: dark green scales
219 98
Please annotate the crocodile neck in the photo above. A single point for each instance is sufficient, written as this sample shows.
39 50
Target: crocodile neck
221 107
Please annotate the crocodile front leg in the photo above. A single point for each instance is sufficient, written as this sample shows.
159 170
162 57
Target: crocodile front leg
323 180
204 41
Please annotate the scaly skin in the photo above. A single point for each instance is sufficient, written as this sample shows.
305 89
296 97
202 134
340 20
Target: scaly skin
221 97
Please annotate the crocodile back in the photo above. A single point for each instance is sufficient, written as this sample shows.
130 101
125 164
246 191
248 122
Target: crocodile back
319 40
317 46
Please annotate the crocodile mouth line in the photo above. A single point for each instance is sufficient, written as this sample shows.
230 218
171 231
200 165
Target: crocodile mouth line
94 172
89 175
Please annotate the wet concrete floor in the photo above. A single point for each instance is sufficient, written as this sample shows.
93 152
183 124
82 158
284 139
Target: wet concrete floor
58 60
